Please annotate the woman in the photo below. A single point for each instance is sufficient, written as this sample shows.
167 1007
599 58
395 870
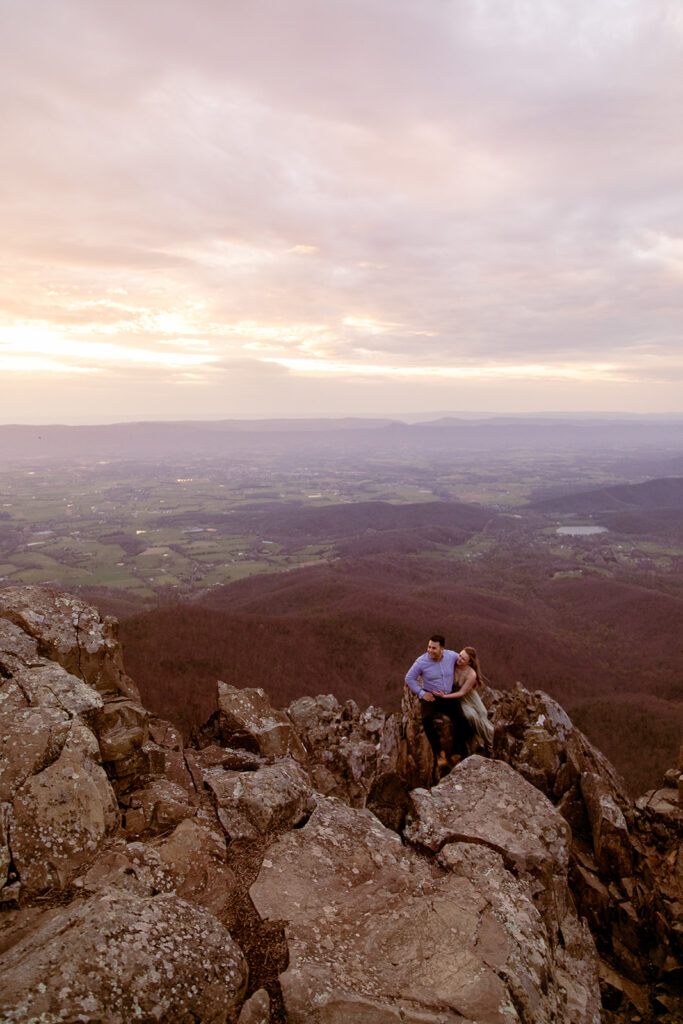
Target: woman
468 676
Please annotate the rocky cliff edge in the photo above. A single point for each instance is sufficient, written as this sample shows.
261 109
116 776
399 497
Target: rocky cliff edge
304 865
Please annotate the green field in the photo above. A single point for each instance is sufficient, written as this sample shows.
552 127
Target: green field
153 529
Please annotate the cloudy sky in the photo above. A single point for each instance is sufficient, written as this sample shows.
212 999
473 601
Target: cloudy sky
229 208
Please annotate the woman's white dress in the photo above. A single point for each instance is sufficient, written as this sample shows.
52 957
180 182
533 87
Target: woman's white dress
475 712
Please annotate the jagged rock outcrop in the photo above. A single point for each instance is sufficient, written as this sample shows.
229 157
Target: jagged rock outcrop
58 804
246 719
61 815
294 865
486 803
379 933
366 758
71 633
626 861
139 936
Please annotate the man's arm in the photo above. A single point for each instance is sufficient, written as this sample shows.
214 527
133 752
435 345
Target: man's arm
413 677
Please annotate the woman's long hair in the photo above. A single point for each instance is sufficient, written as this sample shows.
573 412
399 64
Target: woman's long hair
474 663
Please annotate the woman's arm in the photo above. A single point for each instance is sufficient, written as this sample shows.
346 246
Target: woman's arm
466 686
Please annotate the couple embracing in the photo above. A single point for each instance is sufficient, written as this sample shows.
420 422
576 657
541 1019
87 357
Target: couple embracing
446 683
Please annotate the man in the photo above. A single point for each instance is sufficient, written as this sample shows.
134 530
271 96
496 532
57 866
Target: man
430 677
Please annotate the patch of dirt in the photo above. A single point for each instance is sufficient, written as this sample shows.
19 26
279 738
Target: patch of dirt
262 942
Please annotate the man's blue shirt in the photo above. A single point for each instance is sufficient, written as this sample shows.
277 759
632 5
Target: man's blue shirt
437 676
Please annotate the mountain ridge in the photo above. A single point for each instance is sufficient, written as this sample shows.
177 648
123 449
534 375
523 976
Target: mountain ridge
168 439
660 493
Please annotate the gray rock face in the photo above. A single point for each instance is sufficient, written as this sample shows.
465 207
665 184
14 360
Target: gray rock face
365 758
156 807
59 818
58 804
343 744
71 633
30 739
261 801
612 843
378 933
122 727
246 719
484 801
257 1009
49 685
624 859
195 857
191 862
17 648
664 803
119 957
536 736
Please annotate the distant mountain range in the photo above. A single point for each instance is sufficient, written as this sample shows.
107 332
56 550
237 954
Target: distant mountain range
347 436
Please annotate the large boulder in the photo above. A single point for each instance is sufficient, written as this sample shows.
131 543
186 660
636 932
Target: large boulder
536 736
30 739
486 802
612 844
247 719
378 933
156 807
408 753
58 804
71 632
119 957
664 803
61 815
51 686
253 803
17 648
122 727
202 763
190 862
195 859
256 1010
169 740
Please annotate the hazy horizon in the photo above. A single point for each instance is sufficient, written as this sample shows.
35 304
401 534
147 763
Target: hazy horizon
399 417
312 210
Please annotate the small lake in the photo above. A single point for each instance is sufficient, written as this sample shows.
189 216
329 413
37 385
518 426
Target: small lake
580 531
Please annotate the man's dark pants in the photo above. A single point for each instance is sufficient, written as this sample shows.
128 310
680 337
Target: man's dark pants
461 727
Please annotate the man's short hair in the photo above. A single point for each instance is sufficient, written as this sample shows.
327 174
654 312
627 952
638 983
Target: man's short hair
438 639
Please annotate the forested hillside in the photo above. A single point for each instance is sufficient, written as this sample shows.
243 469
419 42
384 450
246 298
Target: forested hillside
663 493
608 650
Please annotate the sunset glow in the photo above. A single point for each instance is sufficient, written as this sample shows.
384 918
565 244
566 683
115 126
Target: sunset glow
544 372
209 213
